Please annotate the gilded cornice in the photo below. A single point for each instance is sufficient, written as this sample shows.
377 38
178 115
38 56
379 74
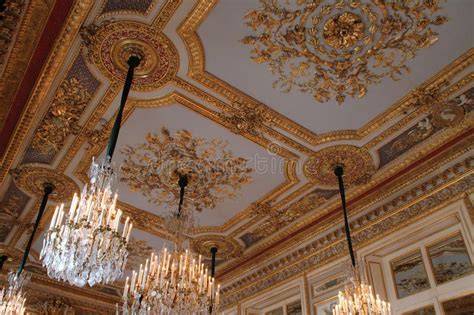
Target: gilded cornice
50 70
188 32
358 200
28 34
166 13
419 202
124 11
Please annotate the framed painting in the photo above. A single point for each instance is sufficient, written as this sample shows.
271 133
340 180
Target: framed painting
325 307
409 274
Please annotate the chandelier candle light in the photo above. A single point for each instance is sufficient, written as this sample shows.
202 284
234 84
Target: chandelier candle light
85 245
358 297
171 282
12 300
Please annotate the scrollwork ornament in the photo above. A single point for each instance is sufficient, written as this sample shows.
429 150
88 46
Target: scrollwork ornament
154 167
61 119
335 50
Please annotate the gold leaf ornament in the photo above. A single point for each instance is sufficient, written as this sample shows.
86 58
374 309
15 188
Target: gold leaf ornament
375 39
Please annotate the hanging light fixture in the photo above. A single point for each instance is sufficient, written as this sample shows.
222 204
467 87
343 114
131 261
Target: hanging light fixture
85 245
12 299
172 282
358 297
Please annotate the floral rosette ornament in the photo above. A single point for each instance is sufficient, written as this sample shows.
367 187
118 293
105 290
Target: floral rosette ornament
153 168
339 49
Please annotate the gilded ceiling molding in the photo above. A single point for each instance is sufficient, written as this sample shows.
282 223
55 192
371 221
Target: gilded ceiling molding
188 32
118 7
88 129
339 50
10 17
27 35
230 111
279 218
419 110
43 84
165 14
110 44
276 205
12 205
378 223
230 270
443 115
227 120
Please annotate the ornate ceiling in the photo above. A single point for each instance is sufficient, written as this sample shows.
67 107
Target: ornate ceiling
384 90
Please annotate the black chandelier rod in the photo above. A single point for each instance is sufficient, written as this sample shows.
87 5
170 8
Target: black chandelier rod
132 62
339 171
3 259
182 182
48 189
213 270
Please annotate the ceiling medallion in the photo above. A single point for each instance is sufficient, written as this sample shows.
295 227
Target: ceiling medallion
357 162
111 44
338 50
33 180
343 30
228 247
154 167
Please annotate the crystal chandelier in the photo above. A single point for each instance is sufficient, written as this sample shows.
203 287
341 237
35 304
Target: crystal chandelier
172 282
12 299
358 297
86 245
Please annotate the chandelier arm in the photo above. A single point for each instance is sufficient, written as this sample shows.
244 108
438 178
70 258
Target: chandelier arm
339 171
48 189
133 62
